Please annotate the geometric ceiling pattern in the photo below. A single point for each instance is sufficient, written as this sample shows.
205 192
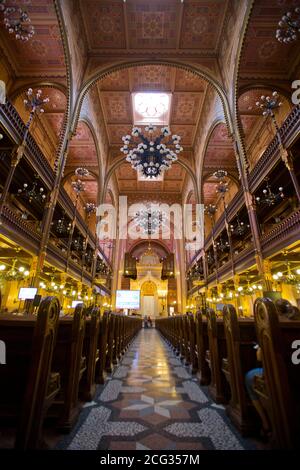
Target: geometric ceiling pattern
219 155
118 29
43 55
82 153
122 27
188 93
263 57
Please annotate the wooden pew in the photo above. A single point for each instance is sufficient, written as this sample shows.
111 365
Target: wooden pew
28 386
192 345
110 344
117 339
103 348
241 357
91 353
218 387
70 363
202 347
279 388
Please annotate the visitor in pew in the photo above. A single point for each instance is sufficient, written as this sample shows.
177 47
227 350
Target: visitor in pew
145 322
286 310
249 382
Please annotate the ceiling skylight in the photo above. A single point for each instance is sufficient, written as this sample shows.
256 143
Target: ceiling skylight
151 108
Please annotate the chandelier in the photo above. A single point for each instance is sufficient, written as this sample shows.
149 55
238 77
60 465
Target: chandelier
240 227
270 198
33 193
289 27
210 210
268 103
17 22
151 156
222 245
78 244
62 226
150 220
33 103
78 187
289 277
14 274
90 208
82 172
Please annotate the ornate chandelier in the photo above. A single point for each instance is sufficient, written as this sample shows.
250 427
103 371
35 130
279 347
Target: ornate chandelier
289 27
33 194
17 22
269 198
14 274
62 226
240 227
150 220
151 156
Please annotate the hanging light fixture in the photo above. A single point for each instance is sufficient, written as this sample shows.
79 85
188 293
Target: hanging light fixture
289 27
14 273
150 220
82 172
62 226
34 104
151 156
17 22
78 187
222 245
33 194
90 208
240 228
269 198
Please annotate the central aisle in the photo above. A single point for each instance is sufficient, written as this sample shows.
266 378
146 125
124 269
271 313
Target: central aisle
152 402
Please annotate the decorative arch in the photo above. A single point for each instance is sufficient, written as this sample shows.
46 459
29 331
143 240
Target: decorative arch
121 160
148 288
204 177
145 244
200 72
38 84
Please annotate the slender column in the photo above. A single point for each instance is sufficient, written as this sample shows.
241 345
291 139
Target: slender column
254 225
72 232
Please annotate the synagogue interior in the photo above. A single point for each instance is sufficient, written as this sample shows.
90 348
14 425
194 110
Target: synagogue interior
149 225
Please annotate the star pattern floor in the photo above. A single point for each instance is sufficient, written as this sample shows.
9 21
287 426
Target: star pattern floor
152 402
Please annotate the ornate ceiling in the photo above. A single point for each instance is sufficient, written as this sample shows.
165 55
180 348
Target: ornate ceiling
115 31
122 28
188 94
43 55
263 57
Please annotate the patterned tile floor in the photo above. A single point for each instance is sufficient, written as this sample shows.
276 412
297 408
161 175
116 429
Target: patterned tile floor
152 402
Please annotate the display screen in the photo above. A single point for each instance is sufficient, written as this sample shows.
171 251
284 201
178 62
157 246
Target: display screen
76 302
128 299
27 293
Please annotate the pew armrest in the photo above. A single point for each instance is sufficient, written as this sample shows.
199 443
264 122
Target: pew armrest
53 386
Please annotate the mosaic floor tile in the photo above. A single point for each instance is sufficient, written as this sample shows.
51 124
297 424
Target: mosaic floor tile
152 402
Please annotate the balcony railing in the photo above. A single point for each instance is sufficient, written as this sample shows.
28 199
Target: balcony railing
10 117
18 230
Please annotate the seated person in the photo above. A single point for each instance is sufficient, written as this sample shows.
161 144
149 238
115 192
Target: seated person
284 309
249 382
